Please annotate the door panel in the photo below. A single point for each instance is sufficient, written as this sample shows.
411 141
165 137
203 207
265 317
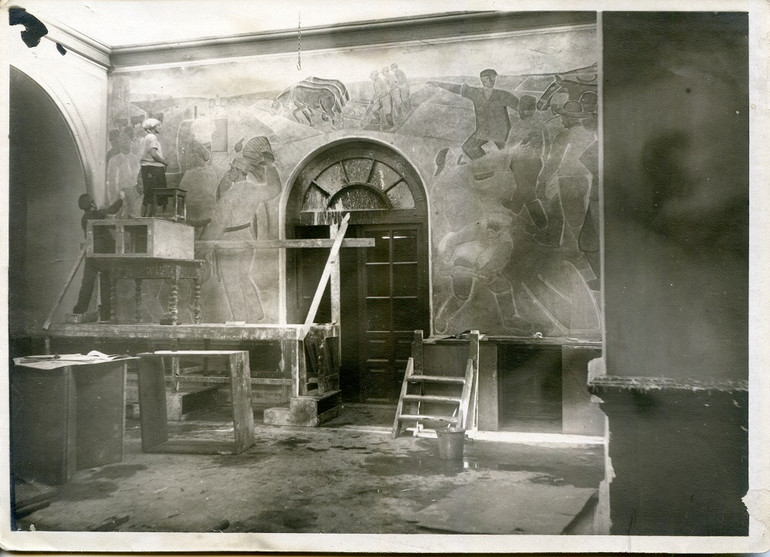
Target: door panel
393 303
384 288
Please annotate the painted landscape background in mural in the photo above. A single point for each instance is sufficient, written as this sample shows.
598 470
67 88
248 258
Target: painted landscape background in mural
510 170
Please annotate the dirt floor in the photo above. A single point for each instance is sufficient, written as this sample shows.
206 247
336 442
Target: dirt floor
348 476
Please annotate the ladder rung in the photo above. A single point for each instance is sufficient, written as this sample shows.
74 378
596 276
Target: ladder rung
199 379
428 418
433 398
436 379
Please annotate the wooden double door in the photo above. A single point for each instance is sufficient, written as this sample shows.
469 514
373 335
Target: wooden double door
384 299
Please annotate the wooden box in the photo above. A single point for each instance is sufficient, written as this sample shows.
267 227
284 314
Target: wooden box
141 237
66 419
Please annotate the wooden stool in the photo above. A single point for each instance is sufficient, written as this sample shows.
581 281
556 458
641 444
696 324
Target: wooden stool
161 198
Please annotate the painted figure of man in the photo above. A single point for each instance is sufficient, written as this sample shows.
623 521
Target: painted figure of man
380 105
242 213
403 87
394 92
528 137
490 105
478 254
122 169
567 210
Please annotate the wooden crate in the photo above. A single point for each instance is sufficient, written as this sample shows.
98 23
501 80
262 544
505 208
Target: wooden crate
141 237
66 419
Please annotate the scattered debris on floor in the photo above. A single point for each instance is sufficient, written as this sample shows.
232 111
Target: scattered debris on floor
326 480
30 496
111 524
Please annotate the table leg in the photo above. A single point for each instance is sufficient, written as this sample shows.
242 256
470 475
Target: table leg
197 300
113 298
138 300
173 298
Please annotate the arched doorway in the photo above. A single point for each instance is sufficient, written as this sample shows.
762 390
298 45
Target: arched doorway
46 176
385 294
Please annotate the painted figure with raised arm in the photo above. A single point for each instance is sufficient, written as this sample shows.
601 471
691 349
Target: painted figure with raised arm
490 105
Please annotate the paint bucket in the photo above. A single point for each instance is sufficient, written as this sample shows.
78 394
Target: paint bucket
450 443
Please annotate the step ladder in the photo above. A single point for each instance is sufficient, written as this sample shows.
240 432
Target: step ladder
439 399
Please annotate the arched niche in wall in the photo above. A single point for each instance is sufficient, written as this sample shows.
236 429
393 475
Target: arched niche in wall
46 176
385 290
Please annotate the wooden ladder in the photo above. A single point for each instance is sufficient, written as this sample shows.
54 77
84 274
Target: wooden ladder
436 400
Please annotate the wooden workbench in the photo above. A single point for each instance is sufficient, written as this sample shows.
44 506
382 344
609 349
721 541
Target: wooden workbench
295 370
580 414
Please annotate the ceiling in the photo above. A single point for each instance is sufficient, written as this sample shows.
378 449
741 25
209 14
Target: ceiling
124 23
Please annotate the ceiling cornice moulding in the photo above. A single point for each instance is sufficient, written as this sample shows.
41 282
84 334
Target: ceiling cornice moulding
75 41
344 35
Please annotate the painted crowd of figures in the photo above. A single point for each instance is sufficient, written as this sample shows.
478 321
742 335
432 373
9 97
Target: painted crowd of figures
530 165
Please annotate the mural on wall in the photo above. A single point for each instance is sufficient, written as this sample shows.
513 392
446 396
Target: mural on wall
516 228
241 213
502 129
312 99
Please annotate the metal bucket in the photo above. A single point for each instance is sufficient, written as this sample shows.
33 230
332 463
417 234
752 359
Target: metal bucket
450 443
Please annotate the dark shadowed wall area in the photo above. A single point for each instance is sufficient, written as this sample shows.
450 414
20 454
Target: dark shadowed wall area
46 178
676 270
676 197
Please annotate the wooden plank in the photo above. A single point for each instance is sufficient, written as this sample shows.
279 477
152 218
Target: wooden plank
466 393
471 389
147 267
152 402
417 352
189 332
243 416
400 406
69 438
213 379
327 270
211 353
436 379
290 363
541 341
64 289
487 402
506 508
43 426
270 381
434 398
334 284
277 244
100 413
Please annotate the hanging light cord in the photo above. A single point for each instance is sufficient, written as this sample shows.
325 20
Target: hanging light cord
299 41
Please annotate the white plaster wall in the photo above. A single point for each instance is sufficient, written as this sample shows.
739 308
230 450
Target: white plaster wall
78 86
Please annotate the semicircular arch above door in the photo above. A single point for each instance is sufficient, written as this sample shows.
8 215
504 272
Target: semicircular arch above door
366 179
